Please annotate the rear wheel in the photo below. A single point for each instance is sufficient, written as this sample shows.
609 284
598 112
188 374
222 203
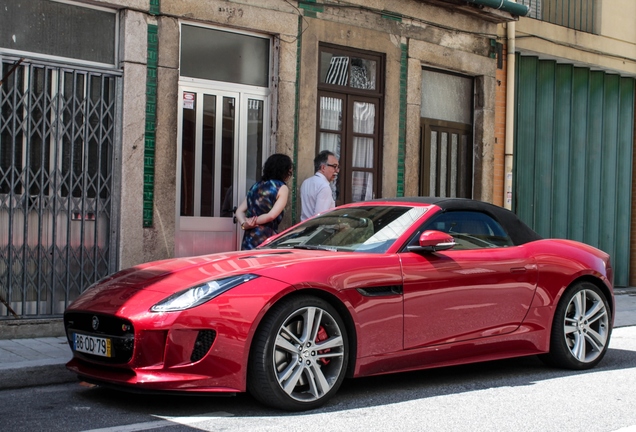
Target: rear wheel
299 355
581 328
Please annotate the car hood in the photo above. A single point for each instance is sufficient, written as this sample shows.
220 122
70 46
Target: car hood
154 281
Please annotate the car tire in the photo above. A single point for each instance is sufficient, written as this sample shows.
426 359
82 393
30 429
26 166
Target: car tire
581 328
299 355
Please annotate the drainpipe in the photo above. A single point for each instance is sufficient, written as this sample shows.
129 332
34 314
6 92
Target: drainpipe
504 5
510 114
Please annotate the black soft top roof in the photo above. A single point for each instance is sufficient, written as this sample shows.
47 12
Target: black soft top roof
518 231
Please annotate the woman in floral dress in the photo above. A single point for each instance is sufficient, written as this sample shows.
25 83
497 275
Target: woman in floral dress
262 209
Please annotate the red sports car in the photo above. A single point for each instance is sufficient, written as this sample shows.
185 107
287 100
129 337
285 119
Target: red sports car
364 289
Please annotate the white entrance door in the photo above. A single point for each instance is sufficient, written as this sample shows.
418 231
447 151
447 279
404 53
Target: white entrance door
220 154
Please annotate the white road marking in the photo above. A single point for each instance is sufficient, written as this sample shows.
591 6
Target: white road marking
167 421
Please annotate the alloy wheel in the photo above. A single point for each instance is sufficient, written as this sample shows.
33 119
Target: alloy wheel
586 326
308 354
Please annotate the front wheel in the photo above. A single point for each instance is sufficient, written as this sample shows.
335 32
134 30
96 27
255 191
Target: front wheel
581 329
299 355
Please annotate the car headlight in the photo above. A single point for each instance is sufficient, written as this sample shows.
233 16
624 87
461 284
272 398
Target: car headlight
200 294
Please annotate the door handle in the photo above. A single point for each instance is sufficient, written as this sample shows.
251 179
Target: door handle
518 270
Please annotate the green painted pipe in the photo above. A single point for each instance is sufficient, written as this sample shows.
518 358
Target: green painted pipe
504 5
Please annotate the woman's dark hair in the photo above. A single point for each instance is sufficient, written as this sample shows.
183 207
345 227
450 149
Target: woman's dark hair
277 167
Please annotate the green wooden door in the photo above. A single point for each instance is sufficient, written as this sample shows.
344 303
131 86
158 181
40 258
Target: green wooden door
573 155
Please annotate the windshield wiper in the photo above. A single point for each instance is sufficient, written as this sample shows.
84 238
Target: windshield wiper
315 247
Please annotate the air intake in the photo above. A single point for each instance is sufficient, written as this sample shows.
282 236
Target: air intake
204 341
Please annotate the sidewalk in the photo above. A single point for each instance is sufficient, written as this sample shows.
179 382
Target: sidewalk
41 361
34 362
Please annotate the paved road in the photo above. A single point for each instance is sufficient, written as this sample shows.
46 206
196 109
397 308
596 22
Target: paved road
512 395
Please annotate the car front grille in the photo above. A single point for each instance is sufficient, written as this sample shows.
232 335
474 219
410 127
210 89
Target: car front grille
120 331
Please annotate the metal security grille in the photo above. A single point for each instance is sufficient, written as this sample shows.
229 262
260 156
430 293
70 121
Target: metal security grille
57 137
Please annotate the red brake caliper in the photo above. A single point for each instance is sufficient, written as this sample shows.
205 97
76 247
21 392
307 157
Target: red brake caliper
321 336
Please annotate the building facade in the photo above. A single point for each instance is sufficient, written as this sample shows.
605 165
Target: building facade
130 129
566 161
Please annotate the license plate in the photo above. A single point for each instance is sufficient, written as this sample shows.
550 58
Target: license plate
92 345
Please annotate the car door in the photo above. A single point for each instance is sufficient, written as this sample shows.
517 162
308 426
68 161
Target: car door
482 287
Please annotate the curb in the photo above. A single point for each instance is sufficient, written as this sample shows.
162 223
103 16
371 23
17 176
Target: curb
625 291
46 373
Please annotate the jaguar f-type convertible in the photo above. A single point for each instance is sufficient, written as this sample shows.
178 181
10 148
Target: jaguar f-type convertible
364 289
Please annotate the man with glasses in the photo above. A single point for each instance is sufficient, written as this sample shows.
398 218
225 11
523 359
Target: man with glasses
315 192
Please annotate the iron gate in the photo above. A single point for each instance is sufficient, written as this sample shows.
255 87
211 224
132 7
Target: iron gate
57 142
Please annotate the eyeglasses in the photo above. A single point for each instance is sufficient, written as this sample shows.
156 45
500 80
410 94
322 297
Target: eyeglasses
334 166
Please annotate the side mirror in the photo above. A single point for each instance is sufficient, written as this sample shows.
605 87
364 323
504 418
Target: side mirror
433 241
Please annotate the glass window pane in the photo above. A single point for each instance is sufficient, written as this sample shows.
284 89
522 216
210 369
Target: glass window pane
49 27
331 142
334 69
207 154
363 73
363 117
465 167
227 150
361 186
76 117
443 164
433 164
70 106
447 97
254 142
453 166
224 56
479 229
188 145
37 144
330 113
362 152
10 137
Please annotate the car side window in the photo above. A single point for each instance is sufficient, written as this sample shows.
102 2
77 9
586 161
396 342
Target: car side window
470 229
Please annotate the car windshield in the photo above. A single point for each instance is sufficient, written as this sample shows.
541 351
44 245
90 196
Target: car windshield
353 229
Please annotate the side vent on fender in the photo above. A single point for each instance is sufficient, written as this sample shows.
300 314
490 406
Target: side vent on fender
378 291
